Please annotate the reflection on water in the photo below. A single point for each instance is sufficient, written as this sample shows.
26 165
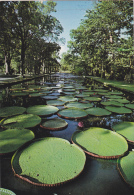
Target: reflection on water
100 177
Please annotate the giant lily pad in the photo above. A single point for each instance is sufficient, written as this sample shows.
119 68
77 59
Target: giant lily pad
112 103
118 110
130 106
18 94
48 162
92 99
54 124
113 96
55 102
72 113
101 143
11 111
126 129
12 139
21 121
78 105
50 97
98 111
4 191
125 166
67 98
123 101
42 110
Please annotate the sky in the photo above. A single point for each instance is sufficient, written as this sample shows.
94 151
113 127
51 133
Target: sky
70 13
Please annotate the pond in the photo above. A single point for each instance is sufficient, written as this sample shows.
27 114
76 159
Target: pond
99 176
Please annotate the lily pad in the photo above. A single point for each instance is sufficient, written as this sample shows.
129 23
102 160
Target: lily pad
35 95
113 96
101 143
4 191
123 101
112 103
125 167
48 162
72 113
95 111
118 110
92 99
21 121
18 94
55 102
50 97
126 129
54 124
12 139
78 105
42 110
11 111
130 106
67 98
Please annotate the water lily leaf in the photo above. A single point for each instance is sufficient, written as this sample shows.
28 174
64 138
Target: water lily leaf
54 124
67 98
126 168
18 94
50 97
118 110
123 101
42 110
11 111
113 96
72 113
126 129
101 143
92 99
48 161
78 105
130 106
55 102
21 121
112 103
35 95
12 139
4 191
95 111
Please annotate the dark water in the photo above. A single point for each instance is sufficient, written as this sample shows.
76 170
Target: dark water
99 177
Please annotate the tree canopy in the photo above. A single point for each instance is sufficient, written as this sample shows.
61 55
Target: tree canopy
28 35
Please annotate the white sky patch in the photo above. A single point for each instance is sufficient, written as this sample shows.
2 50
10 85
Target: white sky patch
63 49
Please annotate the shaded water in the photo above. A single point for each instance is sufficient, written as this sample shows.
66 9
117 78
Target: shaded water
100 177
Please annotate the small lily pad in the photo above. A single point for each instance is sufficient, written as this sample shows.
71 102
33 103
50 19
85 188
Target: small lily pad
11 111
126 129
48 161
54 124
12 139
21 121
42 110
112 103
95 111
101 143
55 102
92 99
130 106
125 167
72 113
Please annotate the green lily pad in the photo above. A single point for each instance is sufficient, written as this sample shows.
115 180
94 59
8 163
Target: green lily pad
113 96
67 98
68 93
54 124
101 143
118 110
68 90
18 94
130 106
55 102
123 101
72 113
78 105
50 97
81 95
97 111
12 139
21 121
11 111
92 99
35 95
112 103
48 161
115 93
42 110
4 191
126 168
126 129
